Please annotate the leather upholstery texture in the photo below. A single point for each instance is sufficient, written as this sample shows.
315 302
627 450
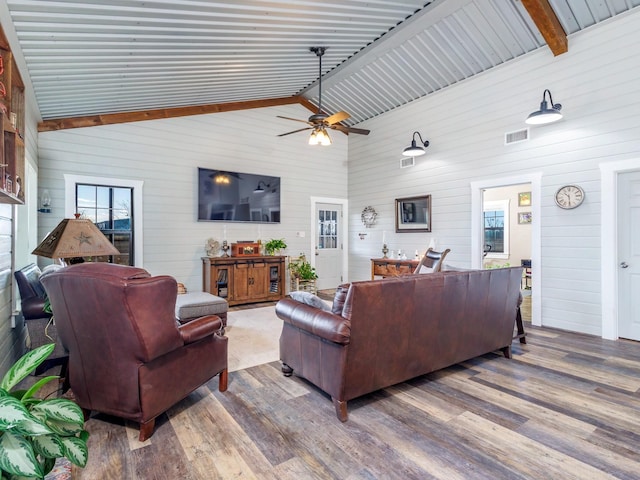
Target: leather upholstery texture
128 357
398 328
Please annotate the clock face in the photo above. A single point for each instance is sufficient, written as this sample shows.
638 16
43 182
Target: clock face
569 196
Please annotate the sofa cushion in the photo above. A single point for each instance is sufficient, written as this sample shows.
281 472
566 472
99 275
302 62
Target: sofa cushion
310 299
199 304
339 298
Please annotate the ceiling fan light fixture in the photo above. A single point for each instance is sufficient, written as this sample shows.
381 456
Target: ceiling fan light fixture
545 114
323 137
313 138
415 150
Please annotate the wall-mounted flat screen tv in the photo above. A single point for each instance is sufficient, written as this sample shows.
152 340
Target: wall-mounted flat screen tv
225 196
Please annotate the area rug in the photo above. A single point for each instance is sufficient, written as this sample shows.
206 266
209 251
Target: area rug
254 336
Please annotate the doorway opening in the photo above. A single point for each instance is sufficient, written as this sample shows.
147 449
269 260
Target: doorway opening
530 209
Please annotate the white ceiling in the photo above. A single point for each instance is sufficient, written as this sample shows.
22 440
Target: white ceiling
97 57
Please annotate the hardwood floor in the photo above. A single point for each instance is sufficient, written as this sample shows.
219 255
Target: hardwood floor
566 406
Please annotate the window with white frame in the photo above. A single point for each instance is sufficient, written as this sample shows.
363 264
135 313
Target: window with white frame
496 228
113 204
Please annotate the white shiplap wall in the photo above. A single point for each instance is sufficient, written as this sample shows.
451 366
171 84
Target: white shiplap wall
165 155
597 83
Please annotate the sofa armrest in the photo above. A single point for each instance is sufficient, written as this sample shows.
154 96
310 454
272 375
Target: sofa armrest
200 328
323 324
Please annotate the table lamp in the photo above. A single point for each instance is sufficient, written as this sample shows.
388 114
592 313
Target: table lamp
75 238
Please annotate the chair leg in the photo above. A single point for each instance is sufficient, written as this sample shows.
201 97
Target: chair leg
506 351
287 370
520 327
224 379
64 375
146 429
341 409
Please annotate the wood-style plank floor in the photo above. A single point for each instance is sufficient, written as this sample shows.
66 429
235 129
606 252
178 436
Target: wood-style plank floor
567 406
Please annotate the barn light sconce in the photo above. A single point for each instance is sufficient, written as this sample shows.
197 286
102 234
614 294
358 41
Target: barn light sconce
415 150
545 114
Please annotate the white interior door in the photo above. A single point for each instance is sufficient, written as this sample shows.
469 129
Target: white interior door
629 255
328 245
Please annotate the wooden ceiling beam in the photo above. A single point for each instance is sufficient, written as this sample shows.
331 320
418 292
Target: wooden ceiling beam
125 117
548 24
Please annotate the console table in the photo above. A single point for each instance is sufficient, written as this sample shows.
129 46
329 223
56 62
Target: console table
390 267
244 279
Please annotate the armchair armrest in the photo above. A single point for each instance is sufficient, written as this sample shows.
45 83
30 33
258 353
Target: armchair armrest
323 324
200 328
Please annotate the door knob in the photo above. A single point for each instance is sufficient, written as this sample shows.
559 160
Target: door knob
624 265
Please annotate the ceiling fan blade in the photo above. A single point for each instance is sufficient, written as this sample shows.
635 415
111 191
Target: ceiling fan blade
348 130
295 131
294 119
337 117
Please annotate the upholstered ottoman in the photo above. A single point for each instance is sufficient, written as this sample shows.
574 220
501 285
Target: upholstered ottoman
198 304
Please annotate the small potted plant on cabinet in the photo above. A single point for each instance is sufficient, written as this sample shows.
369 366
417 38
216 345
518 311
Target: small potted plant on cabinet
275 246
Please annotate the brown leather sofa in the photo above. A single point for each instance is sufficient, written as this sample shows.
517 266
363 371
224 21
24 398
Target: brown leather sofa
389 331
128 357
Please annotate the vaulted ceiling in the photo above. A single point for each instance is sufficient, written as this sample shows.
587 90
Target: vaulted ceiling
96 62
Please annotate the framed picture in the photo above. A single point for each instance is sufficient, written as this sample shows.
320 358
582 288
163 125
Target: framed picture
524 218
413 214
524 199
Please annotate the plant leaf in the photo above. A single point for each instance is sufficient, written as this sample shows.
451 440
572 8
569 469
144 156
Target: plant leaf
17 457
31 427
61 410
12 412
37 386
25 365
76 450
49 446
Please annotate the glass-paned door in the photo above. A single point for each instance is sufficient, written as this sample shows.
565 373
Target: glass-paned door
110 208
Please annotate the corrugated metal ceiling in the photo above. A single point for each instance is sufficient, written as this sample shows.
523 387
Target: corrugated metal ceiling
97 57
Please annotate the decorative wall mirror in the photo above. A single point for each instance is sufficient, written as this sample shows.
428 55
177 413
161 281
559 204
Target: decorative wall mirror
413 214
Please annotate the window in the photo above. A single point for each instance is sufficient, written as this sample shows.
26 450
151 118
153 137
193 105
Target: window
114 205
496 228
110 208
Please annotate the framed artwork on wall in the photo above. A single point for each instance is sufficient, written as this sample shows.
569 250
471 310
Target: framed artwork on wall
413 214
524 199
524 218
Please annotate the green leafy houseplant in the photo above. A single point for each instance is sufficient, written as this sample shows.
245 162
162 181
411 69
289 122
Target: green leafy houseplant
274 245
302 269
34 432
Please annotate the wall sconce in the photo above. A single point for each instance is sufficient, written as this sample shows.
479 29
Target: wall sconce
545 114
416 150
45 202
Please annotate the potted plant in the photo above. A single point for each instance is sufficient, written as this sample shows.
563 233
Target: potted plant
34 432
274 246
302 269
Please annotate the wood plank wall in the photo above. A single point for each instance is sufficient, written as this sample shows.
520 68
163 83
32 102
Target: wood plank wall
166 153
596 82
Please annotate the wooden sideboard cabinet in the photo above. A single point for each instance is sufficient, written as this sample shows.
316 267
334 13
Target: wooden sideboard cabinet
242 280
389 267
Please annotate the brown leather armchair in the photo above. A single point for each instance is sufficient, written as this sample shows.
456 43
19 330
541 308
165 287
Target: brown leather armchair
128 356
38 322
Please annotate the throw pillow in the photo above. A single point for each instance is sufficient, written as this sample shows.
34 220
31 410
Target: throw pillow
424 269
339 298
310 299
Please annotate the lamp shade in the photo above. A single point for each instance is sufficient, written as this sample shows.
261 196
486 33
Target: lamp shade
75 237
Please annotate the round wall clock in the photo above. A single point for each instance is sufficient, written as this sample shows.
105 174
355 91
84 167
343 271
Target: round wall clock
569 196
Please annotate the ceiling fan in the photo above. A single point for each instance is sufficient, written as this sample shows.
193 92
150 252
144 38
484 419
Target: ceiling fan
320 121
